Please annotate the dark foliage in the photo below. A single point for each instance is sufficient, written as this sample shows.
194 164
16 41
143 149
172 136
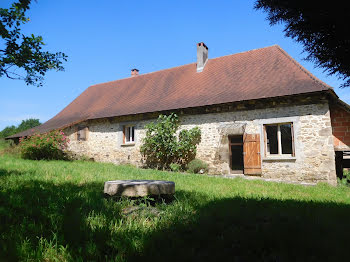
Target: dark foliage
320 26
25 52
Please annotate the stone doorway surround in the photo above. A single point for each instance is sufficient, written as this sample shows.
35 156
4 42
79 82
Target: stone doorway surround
223 151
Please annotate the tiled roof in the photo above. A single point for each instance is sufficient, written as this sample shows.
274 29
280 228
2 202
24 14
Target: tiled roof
261 73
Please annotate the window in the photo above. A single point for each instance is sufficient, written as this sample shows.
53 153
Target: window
82 133
129 134
279 139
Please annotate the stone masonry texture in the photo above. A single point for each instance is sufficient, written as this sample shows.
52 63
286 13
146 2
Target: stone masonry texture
314 159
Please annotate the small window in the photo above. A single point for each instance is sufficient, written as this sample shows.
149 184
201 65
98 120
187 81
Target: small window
82 133
279 139
129 134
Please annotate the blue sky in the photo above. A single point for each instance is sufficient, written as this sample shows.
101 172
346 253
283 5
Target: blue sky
105 39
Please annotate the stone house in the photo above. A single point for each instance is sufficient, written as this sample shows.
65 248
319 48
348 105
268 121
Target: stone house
260 112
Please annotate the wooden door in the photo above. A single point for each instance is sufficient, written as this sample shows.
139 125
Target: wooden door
251 154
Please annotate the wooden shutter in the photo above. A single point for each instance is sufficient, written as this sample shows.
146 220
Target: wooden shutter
86 129
82 133
251 154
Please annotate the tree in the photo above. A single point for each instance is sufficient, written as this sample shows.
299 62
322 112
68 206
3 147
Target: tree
8 131
161 147
24 52
320 26
24 125
27 124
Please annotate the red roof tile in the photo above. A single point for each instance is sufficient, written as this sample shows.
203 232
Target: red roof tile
261 73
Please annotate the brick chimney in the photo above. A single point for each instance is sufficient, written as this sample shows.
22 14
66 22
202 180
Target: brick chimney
202 56
134 72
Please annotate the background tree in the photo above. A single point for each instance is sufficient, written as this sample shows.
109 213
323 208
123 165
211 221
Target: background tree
25 52
27 124
24 125
320 26
8 131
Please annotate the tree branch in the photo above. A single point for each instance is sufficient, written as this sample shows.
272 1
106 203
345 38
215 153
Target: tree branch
19 77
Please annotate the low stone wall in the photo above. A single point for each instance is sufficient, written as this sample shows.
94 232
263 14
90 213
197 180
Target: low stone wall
314 149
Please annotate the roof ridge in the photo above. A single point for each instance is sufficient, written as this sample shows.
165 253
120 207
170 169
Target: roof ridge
252 50
137 76
161 70
302 68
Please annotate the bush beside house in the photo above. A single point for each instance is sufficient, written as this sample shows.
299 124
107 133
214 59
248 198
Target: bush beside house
163 149
49 146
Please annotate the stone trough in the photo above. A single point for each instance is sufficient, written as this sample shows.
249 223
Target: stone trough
139 188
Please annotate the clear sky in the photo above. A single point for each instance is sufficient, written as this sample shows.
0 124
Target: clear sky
105 39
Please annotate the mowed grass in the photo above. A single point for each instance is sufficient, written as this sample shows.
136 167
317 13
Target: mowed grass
56 211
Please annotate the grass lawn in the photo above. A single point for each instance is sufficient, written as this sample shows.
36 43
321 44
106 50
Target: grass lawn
56 211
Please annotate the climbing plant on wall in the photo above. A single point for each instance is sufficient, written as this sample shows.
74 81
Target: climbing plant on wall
163 147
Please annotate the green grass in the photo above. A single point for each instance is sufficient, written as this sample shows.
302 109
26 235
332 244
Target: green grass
56 211
8 147
3 144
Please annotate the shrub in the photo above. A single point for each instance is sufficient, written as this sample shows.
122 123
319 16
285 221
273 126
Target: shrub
25 124
175 167
161 147
50 146
197 166
187 145
345 181
8 147
4 144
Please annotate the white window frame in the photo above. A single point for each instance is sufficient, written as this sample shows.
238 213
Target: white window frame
127 134
279 144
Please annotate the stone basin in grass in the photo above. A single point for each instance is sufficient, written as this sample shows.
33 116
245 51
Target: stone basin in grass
139 188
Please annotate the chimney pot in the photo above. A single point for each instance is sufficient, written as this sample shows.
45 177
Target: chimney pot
202 56
134 72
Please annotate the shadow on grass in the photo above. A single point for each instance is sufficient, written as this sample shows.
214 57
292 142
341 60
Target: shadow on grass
58 213
255 230
6 172
232 229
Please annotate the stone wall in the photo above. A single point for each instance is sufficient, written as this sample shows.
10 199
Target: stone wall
314 150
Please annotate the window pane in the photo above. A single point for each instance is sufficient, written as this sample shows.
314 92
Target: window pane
132 134
127 134
271 140
286 138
